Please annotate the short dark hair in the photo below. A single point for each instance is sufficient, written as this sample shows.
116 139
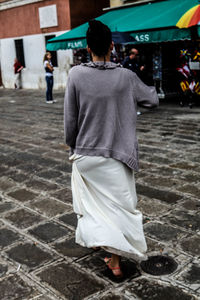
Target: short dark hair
99 38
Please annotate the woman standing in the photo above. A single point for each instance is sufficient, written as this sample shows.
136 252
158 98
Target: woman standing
49 76
100 127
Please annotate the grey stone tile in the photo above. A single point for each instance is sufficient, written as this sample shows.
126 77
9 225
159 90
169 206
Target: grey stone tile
49 207
6 184
191 245
22 218
6 206
192 205
191 276
7 237
64 195
29 255
22 195
49 232
50 174
14 288
165 196
184 219
152 207
40 185
163 232
149 289
70 282
71 249
69 219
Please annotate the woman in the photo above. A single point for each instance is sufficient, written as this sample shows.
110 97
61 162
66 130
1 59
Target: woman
100 127
49 76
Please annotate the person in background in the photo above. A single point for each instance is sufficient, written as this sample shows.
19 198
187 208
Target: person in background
49 77
100 127
17 71
131 62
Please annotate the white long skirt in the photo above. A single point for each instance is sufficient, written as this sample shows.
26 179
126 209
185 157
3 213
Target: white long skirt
104 198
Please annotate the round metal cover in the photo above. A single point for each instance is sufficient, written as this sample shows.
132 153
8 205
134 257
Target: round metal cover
159 265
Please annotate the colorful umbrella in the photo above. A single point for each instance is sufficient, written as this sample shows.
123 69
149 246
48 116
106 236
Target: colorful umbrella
190 18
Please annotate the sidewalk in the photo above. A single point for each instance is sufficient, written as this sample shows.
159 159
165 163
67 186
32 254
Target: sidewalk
39 258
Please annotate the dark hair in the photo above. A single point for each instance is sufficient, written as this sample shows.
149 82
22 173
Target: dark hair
99 38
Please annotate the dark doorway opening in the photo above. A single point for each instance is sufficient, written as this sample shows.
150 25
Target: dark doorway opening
54 59
20 52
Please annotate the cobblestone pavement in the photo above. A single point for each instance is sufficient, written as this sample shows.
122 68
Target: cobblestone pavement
39 258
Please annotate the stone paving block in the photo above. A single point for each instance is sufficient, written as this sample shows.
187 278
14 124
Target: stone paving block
64 195
161 181
71 249
190 189
6 184
166 171
3 171
110 296
14 288
50 174
22 218
191 276
191 177
64 167
64 180
70 282
149 289
69 219
3 269
6 206
7 160
191 245
152 208
184 219
22 195
7 237
165 196
16 176
184 165
41 185
30 168
49 232
190 204
49 207
29 255
163 232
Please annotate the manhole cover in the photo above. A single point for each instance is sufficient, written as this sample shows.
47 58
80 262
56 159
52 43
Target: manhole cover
159 265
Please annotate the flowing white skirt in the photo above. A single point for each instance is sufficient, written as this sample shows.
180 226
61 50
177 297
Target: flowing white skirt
104 198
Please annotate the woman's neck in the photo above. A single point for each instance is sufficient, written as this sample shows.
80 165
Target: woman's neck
105 58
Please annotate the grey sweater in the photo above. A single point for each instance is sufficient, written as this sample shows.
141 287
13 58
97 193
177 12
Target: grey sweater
100 111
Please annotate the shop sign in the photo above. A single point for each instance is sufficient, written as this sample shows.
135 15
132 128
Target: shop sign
75 45
145 37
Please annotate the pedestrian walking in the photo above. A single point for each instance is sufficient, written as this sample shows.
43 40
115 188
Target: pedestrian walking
49 77
17 71
100 127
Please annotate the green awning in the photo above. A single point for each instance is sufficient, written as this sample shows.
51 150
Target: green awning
150 22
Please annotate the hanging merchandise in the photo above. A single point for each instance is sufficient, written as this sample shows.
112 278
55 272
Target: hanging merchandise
157 65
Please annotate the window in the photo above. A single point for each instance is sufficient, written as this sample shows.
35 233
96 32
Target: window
53 53
19 48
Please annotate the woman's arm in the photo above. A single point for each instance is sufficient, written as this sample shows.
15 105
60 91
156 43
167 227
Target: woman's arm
146 96
49 66
70 114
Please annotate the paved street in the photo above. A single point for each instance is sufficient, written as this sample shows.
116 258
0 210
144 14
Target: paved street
39 258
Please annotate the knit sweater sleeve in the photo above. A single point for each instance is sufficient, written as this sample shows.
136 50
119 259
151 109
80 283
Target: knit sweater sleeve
70 114
146 96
